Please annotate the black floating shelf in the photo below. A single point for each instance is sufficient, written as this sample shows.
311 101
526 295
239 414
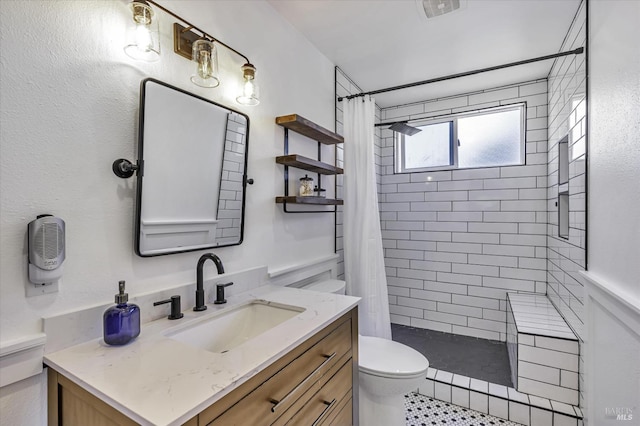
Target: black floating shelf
305 163
309 200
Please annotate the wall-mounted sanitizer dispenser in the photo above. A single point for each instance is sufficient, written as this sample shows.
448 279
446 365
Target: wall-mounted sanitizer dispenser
46 250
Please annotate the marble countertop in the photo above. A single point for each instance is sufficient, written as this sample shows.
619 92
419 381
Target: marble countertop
156 380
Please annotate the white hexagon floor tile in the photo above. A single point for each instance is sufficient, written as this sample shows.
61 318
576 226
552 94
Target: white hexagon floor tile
425 411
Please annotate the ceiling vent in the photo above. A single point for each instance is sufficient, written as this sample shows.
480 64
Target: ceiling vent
434 8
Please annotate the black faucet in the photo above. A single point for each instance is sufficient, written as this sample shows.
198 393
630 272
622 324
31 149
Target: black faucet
200 306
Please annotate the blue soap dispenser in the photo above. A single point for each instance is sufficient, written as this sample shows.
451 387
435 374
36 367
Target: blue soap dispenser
121 323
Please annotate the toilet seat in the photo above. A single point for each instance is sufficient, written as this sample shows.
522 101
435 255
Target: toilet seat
386 358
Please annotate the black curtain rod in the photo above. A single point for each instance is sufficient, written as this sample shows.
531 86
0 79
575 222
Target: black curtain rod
390 123
577 51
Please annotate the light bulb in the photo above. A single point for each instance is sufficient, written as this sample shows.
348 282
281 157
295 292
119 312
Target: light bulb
250 91
205 70
204 54
144 42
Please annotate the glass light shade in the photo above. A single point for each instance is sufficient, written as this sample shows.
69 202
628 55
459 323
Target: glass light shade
250 91
145 41
205 55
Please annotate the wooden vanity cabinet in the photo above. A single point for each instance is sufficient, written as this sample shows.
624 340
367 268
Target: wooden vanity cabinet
311 385
69 404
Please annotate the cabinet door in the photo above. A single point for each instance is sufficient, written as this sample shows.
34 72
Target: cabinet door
70 405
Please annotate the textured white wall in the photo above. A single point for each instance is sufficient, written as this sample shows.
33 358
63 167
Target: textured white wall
69 108
613 376
614 129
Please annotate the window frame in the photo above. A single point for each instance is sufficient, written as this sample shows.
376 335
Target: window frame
399 138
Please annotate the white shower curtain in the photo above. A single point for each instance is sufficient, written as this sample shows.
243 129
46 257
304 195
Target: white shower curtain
363 256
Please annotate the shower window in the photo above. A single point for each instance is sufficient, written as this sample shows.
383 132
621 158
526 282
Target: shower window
489 137
430 148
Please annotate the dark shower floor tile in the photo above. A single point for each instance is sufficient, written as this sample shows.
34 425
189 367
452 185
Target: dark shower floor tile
469 356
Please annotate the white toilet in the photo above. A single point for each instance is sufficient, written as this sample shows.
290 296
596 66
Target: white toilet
388 370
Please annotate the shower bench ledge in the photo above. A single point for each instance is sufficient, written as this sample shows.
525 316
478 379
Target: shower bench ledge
543 350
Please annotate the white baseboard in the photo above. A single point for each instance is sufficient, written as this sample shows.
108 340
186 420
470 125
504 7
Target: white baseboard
612 348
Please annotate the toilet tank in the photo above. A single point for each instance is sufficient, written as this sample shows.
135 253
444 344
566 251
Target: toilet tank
328 286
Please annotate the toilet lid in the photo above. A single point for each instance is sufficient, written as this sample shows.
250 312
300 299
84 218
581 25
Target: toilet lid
386 358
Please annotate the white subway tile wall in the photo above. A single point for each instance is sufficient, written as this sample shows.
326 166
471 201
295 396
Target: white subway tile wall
458 240
498 407
230 200
567 116
479 401
442 392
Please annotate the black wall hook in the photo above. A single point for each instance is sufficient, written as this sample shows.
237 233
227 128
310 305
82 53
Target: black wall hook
124 168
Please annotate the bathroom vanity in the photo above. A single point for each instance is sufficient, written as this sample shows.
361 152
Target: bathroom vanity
300 371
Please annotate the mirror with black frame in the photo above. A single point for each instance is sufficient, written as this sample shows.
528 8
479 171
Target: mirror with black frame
192 156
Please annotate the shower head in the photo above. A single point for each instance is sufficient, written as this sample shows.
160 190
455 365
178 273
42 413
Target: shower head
404 128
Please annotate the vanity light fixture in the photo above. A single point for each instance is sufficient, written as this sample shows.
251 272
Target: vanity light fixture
191 43
145 43
250 90
205 55
188 44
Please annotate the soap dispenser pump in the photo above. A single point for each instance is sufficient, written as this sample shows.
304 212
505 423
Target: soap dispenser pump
121 323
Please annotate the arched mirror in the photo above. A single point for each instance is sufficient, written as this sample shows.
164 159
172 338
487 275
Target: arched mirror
192 157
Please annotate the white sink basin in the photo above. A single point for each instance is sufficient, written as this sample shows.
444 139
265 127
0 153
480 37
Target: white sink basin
232 327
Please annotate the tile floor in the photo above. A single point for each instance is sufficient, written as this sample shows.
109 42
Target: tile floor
424 411
468 356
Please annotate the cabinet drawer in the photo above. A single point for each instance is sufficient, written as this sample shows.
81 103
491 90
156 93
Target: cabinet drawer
344 415
271 399
325 404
